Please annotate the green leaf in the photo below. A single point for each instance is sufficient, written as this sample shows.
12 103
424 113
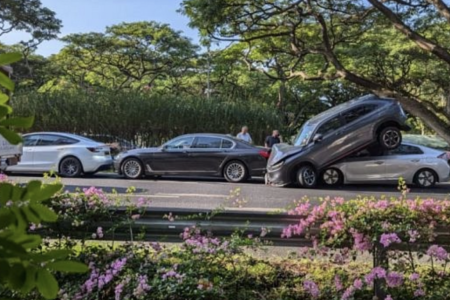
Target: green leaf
46 192
68 266
30 241
4 267
9 58
17 276
5 110
50 255
46 284
6 218
6 82
3 98
18 122
30 215
5 193
12 246
10 136
44 213
30 280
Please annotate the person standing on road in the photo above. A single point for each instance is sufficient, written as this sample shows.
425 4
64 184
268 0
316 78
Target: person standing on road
244 135
273 139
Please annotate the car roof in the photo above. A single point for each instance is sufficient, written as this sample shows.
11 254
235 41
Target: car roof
64 134
344 106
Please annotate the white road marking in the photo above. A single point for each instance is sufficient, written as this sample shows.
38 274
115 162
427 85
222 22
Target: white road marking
193 195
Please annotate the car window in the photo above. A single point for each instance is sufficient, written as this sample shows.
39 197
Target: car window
180 143
226 144
30 140
406 150
356 113
55 140
330 126
208 143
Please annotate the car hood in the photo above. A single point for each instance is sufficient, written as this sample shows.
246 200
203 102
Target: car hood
282 151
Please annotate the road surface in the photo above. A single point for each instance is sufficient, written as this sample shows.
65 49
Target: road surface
213 193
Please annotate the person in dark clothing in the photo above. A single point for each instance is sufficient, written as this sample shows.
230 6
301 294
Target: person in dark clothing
273 139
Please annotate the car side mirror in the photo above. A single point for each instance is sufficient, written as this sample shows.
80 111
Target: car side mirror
317 138
164 148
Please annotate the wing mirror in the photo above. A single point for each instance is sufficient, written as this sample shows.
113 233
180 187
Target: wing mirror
164 148
317 138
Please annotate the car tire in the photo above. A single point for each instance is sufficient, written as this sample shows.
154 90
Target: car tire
70 167
390 138
235 172
132 168
425 178
307 177
332 177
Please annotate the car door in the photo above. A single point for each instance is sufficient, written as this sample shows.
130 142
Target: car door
368 168
172 157
328 148
207 154
400 161
46 152
26 160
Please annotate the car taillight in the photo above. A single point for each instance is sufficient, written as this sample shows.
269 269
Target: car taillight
443 156
95 149
265 154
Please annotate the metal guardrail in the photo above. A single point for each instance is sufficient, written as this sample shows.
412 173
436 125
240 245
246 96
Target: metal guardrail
223 223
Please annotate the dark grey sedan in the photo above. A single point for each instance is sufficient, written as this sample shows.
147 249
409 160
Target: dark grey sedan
196 155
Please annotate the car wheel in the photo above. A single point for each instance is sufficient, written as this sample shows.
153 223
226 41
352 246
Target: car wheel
390 138
332 177
132 168
425 178
307 177
70 167
235 171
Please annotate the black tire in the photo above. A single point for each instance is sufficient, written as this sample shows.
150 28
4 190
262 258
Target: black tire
425 178
332 177
132 168
235 172
70 167
390 138
307 177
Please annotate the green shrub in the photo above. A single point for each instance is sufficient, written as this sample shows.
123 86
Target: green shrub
147 120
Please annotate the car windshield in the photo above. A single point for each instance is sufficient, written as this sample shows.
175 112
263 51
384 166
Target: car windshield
304 135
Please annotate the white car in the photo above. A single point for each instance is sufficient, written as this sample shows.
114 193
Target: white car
416 164
69 155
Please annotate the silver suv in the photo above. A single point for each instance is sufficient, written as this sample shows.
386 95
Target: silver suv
335 134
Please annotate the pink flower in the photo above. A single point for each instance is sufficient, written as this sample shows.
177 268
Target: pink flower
419 293
388 297
135 217
99 232
413 235
361 242
414 277
338 283
394 279
311 288
358 284
389 238
438 252
348 293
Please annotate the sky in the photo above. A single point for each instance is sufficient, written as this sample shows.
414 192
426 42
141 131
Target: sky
79 16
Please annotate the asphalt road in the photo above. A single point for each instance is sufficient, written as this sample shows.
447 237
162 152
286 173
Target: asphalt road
213 193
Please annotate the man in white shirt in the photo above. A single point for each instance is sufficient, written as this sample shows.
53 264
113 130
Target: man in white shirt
244 135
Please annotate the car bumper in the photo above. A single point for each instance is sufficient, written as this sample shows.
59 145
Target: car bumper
97 163
278 177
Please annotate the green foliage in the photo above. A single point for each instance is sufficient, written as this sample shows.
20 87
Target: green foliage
147 120
23 267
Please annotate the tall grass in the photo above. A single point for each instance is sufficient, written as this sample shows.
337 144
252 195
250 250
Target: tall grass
144 119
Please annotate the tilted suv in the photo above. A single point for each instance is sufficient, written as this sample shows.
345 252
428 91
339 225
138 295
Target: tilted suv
333 135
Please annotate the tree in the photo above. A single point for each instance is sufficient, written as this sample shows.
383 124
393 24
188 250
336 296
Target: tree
126 56
29 16
391 48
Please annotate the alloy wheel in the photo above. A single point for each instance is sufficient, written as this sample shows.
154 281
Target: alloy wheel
331 176
391 138
235 171
70 167
426 178
309 176
132 168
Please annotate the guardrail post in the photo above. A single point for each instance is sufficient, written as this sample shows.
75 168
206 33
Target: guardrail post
380 259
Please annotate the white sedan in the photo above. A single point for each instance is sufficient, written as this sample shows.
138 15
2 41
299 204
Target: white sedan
416 164
69 155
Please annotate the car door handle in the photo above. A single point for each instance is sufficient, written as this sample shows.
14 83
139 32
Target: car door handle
379 162
415 160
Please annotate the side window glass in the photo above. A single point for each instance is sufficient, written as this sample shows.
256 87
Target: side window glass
181 143
406 150
30 141
208 143
66 141
330 126
48 140
226 144
356 113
